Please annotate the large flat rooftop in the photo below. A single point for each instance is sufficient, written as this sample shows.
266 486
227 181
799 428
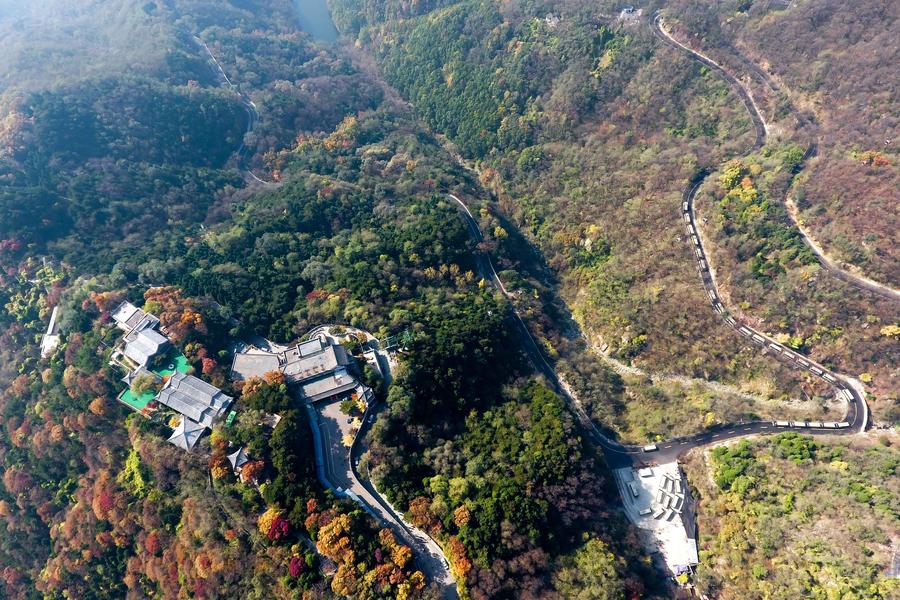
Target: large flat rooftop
253 364
299 366
657 500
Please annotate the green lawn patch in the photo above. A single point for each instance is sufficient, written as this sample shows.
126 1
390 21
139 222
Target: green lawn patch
173 361
138 403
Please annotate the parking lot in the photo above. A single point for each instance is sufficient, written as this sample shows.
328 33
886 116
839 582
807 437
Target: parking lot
334 426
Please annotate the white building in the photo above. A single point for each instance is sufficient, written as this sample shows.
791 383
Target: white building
50 341
141 342
127 316
144 342
312 360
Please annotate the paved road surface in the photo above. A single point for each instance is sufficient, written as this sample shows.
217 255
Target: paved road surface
759 123
429 555
341 475
619 455
249 107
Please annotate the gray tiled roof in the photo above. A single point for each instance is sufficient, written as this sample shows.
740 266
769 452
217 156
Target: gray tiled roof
186 433
146 322
238 458
194 398
141 346
247 365
336 382
181 403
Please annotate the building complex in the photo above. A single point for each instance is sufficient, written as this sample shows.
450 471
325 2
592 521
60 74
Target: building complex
141 350
318 369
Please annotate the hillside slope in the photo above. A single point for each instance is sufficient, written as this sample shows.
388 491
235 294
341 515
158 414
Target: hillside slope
586 129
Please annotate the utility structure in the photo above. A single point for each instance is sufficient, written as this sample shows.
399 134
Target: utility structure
399 340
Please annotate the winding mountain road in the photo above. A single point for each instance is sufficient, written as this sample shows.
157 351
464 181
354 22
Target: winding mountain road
339 466
759 122
762 130
336 465
620 455
249 107
617 454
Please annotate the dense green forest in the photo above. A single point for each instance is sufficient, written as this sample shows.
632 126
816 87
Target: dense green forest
791 516
93 175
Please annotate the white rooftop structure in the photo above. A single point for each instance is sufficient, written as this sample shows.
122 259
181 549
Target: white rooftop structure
302 361
318 367
253 364
186 433
127 316
662 506
312 359
194 398
50 341
310 347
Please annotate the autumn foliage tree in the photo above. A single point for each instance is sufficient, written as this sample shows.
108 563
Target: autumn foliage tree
279 529
254 384
252 470
267 521
180 316
219 466
369 571
105 301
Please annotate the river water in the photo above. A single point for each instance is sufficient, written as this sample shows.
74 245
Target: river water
315 19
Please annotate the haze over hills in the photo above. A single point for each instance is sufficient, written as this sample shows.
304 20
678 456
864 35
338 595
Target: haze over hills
478 299
51 41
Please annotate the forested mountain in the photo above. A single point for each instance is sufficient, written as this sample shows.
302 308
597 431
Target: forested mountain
51 41
795 517
835 64
587 128
125 184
